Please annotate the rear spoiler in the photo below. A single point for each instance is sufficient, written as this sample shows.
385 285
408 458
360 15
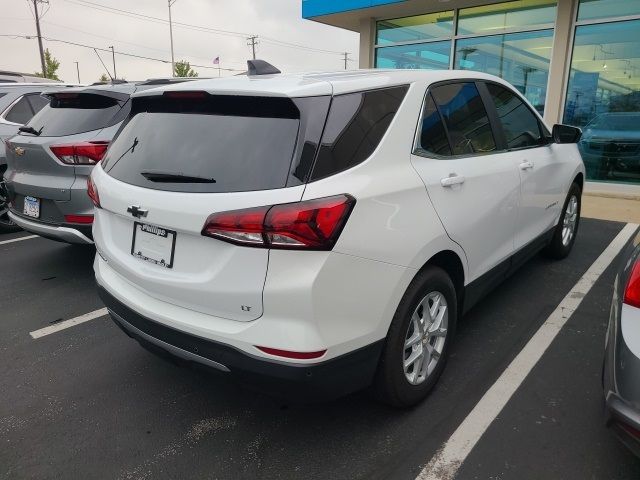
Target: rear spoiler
118 96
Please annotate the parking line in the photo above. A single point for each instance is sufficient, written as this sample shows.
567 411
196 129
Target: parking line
446 462
19 239
68 323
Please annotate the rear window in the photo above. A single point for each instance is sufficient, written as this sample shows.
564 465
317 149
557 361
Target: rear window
232 145
68 114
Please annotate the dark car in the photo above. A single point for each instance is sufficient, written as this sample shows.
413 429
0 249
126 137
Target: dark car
621 370
610 146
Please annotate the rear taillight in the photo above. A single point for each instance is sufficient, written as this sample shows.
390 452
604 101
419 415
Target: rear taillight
92 191
632 292
311 225
83 219
83 153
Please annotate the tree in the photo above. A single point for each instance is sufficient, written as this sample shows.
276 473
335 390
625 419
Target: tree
51 66
183 69
103 78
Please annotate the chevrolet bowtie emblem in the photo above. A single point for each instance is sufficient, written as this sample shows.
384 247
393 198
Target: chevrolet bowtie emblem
137 212
19 151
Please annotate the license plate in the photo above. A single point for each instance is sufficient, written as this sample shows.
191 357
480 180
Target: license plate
31 207
153 244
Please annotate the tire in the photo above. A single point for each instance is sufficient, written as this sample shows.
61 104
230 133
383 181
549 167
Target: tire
392 383
6 225
558 248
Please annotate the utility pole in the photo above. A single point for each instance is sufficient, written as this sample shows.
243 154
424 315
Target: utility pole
78 70
173 67
252 42
113 53
35 8
346 55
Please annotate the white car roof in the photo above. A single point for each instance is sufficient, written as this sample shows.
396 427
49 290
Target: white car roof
318 83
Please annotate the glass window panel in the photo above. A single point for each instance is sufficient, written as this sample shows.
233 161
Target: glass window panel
522 59
603 98
590 9
501 16
430 56
421 27
521 127
466 118
433 137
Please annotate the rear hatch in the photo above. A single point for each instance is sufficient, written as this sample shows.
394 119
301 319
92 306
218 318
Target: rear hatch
182 157
71 118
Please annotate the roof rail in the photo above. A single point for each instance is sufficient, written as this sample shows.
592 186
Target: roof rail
260 67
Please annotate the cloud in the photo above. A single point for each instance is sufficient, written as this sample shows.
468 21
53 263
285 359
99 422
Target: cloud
278 20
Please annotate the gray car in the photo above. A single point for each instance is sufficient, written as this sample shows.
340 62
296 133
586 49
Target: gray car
19 102
621 370
49 161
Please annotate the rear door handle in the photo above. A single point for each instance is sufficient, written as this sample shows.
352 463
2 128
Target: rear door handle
526 165
452 180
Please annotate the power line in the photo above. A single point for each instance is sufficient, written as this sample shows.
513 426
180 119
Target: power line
127 54
140 16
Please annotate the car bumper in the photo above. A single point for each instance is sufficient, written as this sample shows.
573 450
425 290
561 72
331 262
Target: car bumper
307 382
63 233
624 421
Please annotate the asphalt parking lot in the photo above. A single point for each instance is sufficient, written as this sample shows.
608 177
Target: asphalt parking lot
88 402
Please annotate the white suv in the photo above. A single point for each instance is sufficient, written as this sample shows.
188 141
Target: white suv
318 233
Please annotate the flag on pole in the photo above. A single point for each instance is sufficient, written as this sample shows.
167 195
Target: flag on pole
216 61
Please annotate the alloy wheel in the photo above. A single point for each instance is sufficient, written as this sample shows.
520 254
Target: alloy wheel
425 338
570 220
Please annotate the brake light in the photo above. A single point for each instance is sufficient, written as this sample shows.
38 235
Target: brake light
83 153
311 225
92 191
185 94
84 219
632 292
289 354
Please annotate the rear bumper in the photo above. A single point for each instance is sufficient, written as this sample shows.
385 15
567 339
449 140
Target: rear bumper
624 421
62 233
308 382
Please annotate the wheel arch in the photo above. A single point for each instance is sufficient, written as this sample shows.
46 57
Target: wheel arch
451 263
579 180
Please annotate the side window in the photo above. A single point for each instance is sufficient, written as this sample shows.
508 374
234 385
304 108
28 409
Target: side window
20 113
355 125
465 118
433 137
521 127
37 102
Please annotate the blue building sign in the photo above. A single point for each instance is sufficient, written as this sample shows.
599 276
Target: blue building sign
315 8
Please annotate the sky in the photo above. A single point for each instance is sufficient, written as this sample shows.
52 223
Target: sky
89 22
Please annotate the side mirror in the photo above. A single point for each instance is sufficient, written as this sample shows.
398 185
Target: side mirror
566 133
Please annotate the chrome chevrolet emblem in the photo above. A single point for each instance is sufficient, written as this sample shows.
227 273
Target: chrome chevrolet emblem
19 151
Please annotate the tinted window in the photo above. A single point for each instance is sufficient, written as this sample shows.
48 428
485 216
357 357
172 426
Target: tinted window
37 102
241 153
68 114
521 127
20 113
465 117
355 125
433 137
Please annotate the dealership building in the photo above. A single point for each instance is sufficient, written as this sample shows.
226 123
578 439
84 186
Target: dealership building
576 61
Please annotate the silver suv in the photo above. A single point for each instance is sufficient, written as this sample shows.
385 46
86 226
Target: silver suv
19 102
49 161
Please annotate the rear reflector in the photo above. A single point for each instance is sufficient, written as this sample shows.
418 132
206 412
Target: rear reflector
84 219
290 354
92 191
311 225
83 153
632 292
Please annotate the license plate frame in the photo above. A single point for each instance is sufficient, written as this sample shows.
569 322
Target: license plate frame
31 207
153 239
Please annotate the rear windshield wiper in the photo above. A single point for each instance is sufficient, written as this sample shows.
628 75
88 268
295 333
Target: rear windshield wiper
175 177
27 129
